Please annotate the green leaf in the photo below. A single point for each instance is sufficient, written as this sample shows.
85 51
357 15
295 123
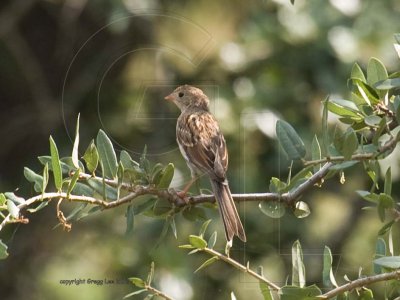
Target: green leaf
316 153
376 71
139 282
265 290
34 178
127 160
204 228
344 108
134 293
120 177
75 150
12 209
106 155
298 270
388 84
91 157
14 198
372 120
366 92
207 263
194 213
276 186
272 209
301 210
144 206
327 275
380 251
81 189
3 250
390 262
385 228
150 276
350 144
212 240
290 141
388 182
166 176
108 192
45 177
73 181
37 208
379 131
296 293
357 73
56 165
3 199
197 241
325 131
130 213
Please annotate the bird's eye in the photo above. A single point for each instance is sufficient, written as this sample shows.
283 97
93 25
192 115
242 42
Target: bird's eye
180 94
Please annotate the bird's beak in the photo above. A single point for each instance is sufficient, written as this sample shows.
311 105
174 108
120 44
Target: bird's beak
169 97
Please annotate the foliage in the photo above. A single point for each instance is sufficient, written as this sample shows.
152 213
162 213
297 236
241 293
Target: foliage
371 133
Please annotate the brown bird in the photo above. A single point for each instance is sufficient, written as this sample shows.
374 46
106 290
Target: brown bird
204 149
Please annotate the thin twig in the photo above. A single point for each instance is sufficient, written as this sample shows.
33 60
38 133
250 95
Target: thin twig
389 146
241 267
360 283
156 292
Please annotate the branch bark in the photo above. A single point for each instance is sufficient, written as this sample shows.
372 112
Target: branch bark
360 283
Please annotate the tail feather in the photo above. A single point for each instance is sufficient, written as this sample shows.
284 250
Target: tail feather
227 208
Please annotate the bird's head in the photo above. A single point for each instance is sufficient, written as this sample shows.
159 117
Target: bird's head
187 96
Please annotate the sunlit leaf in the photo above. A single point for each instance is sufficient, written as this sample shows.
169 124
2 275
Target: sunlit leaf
106 155
328 278
55 163
357 73
376 71
207 263
197 241
137 281
91 157
166 176
75 148
298 270
12 209
301 210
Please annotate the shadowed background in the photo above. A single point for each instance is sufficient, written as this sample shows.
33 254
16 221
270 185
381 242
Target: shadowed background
113 62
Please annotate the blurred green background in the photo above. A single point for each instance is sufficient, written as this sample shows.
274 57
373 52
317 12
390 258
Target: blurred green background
114 61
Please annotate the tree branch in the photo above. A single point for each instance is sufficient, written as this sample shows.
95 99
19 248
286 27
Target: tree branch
389 146
360 283
171 195
241 267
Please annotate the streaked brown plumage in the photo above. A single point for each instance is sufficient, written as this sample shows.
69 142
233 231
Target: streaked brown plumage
204 149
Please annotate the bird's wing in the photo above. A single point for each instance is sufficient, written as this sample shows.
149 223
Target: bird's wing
199 136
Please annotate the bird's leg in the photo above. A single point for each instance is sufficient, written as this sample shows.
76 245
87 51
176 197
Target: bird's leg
182 194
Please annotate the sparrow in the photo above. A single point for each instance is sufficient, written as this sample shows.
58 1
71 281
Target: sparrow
204 148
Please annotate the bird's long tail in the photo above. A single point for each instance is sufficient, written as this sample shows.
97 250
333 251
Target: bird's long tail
227 208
